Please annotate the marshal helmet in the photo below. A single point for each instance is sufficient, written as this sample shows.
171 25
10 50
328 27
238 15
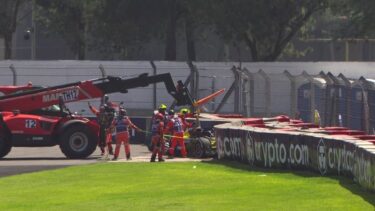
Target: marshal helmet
163 107
122 112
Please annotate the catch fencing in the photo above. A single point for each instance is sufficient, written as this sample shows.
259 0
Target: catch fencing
343 93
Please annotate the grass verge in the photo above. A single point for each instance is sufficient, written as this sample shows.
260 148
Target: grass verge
179 186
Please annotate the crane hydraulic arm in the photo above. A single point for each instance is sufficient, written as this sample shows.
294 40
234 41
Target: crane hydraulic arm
11 89
39 98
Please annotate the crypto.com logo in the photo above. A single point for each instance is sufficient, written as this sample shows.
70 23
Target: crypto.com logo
322 161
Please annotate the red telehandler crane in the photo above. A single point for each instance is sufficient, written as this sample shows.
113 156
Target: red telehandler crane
30 117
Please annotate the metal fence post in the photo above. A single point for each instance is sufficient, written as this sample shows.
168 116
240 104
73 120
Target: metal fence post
348 96
14 72
365 87
193 79
267 88
293 93
237 100
250 79
329 104
336 97
245 93
102 70
196 81
312 94
226 96
154 94
213 88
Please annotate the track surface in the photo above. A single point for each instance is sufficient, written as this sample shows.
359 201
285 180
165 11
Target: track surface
30 159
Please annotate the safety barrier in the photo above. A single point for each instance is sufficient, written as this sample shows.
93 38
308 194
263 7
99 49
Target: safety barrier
316 149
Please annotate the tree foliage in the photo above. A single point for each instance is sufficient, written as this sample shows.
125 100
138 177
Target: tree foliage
126 25
183 17
117 27
121 26
68 19
265 26
358 16
8 21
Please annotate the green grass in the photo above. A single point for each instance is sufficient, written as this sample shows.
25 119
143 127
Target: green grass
179 186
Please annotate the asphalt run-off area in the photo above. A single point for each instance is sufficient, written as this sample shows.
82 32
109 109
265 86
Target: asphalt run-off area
30 159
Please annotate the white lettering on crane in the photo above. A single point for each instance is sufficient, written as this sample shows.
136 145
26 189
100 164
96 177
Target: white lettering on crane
68 95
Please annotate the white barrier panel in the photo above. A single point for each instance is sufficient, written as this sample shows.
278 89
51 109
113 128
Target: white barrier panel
295 150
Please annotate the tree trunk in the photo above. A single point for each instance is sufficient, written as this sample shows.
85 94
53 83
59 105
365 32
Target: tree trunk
253 48
170 49
81 44
81 51
83 31
8 46
190 42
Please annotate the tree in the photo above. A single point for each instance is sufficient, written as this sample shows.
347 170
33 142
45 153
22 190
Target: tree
173 16
8 22
265 26
180 17
358 18
68 19
194 18
186 16
123 26
126 25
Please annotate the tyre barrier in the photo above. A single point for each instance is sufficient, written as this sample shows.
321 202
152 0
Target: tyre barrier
282 145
